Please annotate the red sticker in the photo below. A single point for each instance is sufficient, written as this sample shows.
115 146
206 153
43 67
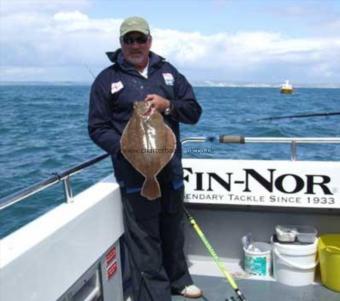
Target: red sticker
111 270
110 256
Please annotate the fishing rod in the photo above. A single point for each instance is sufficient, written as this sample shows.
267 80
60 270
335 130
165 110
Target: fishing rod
300 116
213 254
89 70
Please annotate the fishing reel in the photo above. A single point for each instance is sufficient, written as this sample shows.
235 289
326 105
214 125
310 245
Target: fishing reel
234 299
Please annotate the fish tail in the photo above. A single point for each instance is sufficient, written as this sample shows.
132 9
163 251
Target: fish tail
151 189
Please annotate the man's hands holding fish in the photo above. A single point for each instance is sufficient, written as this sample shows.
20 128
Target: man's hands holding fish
157 102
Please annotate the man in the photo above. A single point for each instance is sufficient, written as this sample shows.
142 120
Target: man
153 229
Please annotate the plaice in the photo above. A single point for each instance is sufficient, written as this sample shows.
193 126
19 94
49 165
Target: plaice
148 144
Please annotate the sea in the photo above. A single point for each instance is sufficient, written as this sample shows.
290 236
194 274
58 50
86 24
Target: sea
43 130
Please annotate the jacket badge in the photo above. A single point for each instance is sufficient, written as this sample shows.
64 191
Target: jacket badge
168 78
117 86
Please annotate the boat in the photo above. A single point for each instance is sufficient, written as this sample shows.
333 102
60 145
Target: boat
286 88
70 254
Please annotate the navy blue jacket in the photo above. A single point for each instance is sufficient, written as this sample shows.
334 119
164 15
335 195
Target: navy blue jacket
112 96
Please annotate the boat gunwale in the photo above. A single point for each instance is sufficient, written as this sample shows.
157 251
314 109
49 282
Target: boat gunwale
65 175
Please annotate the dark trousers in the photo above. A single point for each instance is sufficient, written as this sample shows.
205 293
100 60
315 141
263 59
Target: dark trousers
154 237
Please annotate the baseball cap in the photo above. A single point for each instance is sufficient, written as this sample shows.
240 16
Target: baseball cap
134 24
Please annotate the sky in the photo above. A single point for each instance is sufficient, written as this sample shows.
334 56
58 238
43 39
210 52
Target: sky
231 41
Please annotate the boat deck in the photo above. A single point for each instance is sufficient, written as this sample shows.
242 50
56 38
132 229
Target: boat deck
217 289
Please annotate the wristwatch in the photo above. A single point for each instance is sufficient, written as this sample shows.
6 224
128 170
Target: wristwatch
168 110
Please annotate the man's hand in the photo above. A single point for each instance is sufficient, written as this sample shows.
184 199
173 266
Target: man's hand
157 102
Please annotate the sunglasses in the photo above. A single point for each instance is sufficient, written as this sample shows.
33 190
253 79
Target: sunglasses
139 40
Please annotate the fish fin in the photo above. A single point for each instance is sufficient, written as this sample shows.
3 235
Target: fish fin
151 189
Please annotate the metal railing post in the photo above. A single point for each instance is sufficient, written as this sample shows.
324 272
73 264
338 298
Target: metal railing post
68 189
293 151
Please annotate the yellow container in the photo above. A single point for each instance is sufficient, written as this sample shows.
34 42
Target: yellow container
329 256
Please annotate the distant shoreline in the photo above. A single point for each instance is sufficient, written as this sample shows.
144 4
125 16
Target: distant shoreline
197 84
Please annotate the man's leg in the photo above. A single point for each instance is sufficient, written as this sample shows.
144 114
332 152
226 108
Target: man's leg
142 237
172 235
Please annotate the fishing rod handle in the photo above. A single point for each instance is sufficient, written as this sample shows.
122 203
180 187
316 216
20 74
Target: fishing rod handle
231 139
240 296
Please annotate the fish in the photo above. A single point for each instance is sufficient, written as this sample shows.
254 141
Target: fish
148 144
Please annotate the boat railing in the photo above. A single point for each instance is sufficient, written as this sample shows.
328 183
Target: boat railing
64 176
293 141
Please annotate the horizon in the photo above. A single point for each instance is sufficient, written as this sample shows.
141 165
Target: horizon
227 41
203 84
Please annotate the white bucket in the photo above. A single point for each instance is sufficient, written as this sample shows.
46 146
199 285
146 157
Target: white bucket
258 262
294 265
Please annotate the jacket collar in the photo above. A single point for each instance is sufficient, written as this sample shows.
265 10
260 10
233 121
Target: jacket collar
117 58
